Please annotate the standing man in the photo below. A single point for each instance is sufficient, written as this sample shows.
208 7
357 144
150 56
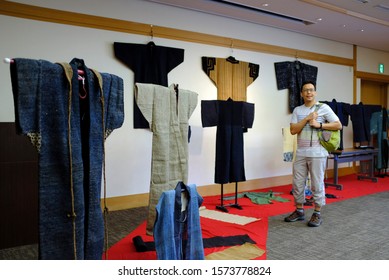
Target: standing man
311 156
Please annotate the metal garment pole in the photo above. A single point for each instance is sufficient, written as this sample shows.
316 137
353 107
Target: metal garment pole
222 207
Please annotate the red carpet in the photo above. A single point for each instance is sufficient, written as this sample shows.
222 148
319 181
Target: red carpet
125 249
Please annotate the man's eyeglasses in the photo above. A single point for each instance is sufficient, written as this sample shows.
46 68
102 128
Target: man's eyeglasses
309 90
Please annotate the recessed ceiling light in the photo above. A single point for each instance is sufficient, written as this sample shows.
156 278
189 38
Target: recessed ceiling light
265 5
362 30
319 19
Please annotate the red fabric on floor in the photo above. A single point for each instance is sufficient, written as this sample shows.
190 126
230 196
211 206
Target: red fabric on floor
257 230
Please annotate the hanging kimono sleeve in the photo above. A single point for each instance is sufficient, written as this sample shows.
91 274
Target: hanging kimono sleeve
192 102
248 116
209 113
28 77
113 101
144 96
25 77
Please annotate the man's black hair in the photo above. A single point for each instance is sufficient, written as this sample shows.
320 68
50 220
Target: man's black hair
307 82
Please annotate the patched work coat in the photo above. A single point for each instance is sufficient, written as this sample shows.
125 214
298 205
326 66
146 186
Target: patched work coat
168 110
68 124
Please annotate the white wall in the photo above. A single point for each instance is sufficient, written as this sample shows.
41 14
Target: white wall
368 60
129 150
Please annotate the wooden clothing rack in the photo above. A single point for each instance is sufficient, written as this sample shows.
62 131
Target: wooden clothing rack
222 207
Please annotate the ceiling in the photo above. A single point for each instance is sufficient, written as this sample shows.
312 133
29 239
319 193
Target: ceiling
359 22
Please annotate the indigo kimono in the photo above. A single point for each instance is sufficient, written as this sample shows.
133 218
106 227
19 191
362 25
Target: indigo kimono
68 123
379 125
177 230
232 119
360 117
290 75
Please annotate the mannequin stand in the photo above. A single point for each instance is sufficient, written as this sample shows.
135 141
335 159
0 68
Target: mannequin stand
222 207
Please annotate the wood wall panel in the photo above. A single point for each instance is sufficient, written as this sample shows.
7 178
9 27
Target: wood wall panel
18 189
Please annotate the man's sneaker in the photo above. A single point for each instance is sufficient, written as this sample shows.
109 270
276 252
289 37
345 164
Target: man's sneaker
295 216
315 220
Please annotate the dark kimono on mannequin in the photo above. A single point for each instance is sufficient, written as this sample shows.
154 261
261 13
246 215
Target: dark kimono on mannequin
150 64
68 124
290 75
232 119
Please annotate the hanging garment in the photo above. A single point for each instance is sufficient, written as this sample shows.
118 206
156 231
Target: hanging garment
168 110
150 64
343 111
289 144
360 118
378 126
290 75
232 118
177 231
230 78
69 134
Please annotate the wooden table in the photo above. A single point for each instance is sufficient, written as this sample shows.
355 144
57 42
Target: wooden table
351 155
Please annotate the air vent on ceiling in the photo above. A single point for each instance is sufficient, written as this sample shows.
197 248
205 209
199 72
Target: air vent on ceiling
264 12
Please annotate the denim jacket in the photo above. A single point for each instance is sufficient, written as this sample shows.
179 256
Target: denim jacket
177 233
